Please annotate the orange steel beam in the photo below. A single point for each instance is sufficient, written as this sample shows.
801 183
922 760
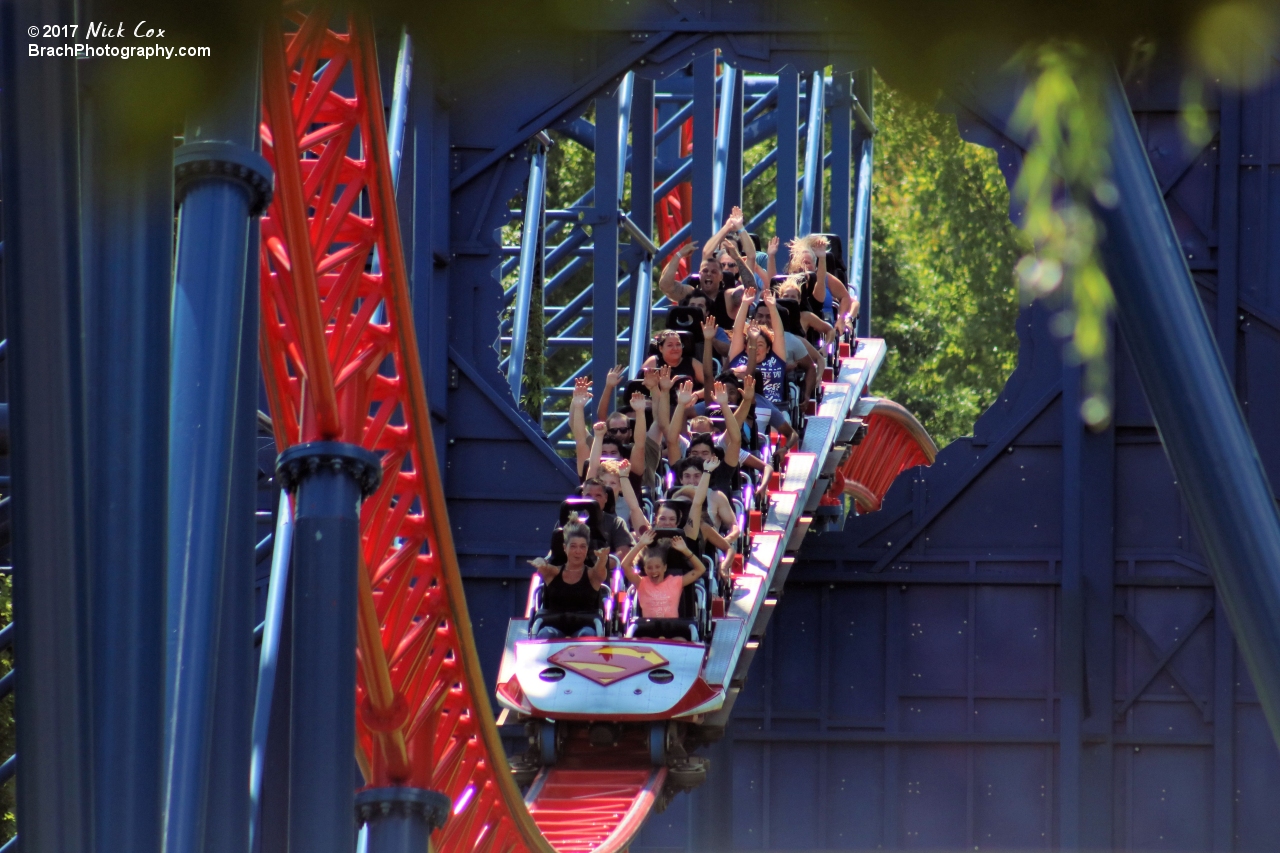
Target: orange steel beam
293 215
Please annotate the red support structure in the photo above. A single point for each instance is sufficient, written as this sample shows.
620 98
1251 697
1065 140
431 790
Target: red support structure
337 368
895 441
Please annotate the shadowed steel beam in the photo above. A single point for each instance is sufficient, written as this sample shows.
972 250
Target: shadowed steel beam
42 302
604 234
704 148
864 95
728 80
841 107
811 203
222 181
788 110
1209 446
127 251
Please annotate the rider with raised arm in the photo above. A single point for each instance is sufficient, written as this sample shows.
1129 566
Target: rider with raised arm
711 279
659 592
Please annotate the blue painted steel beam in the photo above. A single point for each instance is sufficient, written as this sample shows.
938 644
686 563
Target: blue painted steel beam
860 251
1191 396
127 240
811 200
863 90
702 216
604 233
840 106
724 134
643 146
530 267
733 161
625 88
270 663
788 111
43 318
222 181
328 480
400 105
229 809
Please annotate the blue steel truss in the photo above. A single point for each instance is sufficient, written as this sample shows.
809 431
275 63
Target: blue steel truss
746 109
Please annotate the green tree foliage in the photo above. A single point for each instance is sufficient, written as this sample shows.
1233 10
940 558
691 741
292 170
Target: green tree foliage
944 252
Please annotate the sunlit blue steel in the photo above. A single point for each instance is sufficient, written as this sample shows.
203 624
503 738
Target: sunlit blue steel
704 150
625 88
861 221
728 79
788 111
269 657
811 200
400 105
1219 474
530 265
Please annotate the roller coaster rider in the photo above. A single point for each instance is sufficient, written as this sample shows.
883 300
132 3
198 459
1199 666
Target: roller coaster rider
571 595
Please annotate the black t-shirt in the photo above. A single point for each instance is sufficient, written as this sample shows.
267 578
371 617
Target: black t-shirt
719 309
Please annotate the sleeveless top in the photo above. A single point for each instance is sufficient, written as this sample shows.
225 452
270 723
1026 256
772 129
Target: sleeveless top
660 600
774 372
562 597
719 309
684 368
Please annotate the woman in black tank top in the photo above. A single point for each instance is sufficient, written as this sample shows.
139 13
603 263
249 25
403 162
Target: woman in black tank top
575 587
672 354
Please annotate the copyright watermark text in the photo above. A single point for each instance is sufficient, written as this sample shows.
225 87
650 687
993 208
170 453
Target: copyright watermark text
100 39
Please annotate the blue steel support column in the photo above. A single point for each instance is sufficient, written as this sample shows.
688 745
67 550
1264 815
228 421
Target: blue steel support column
724 135
530 260
811 203
127 251
864 91
860 251
604 234
328 480
642 202
42 302
228 773
702 217
841 108
400 820
733 166
270 664
221 182
1204 433
788 111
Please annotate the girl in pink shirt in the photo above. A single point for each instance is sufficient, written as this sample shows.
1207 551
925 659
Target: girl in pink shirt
659 592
